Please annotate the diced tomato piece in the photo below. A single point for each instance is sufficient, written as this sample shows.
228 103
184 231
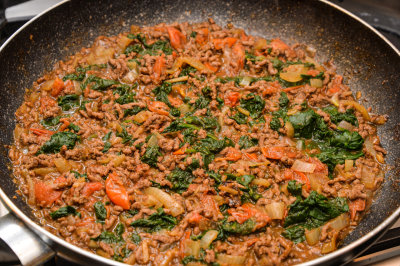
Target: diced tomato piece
90 188
85 222
182 243
222 43
180 151
210 205
232 98
159 67
312 72
239 55
251 156
278 152
202 36
117 192
303 178
57 87
41 132
195 218
355 206
278 44
45 103
232 155
176 38
175 101
211 67
158 107
45 194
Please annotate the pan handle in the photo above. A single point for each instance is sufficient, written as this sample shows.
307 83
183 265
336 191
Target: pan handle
28 247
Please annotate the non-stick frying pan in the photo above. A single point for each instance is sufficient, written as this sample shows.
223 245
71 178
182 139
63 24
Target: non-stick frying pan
369 63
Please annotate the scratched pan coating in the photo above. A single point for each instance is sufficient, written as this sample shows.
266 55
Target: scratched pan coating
368 63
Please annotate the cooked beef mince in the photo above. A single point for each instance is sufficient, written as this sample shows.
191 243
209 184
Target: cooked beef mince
193 144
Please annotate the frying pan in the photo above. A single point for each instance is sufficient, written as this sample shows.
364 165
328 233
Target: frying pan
369 63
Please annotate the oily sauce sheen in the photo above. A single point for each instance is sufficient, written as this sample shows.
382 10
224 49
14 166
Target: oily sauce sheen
193 144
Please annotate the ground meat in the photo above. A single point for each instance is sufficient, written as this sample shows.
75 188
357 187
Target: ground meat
169 132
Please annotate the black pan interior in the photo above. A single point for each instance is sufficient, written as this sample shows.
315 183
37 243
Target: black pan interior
368 63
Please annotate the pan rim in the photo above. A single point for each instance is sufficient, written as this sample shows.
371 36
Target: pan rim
46 235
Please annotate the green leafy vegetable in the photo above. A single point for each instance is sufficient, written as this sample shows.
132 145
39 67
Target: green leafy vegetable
74 127
119 230
238 229
239 118
63 212
51 122
151 156
254 104
180 180
156 48
336 116
295 233
157 221
68 102
161 92
107 144
136 238
294 188
100 211
246 142
126 137
312 212
107 237
97 83
58 140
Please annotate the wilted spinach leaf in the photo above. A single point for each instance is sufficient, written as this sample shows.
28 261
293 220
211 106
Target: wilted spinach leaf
157 221
63 212
58 140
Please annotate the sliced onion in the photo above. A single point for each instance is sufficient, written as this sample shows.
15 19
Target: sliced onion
47 85
184 109
77 86
275 210
346 125
293 73
369 147
303 166
243 111
208 238
316 83
44 171
167 201
141 116
348 165
261 44
178 79
289 129
117 161
130 77
188 60
317 181
329 247
231 259
245 81
313 235
358 107
153 141
192 248
62 165
31 190
300 145
261 182
367 177
340 222
335 99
